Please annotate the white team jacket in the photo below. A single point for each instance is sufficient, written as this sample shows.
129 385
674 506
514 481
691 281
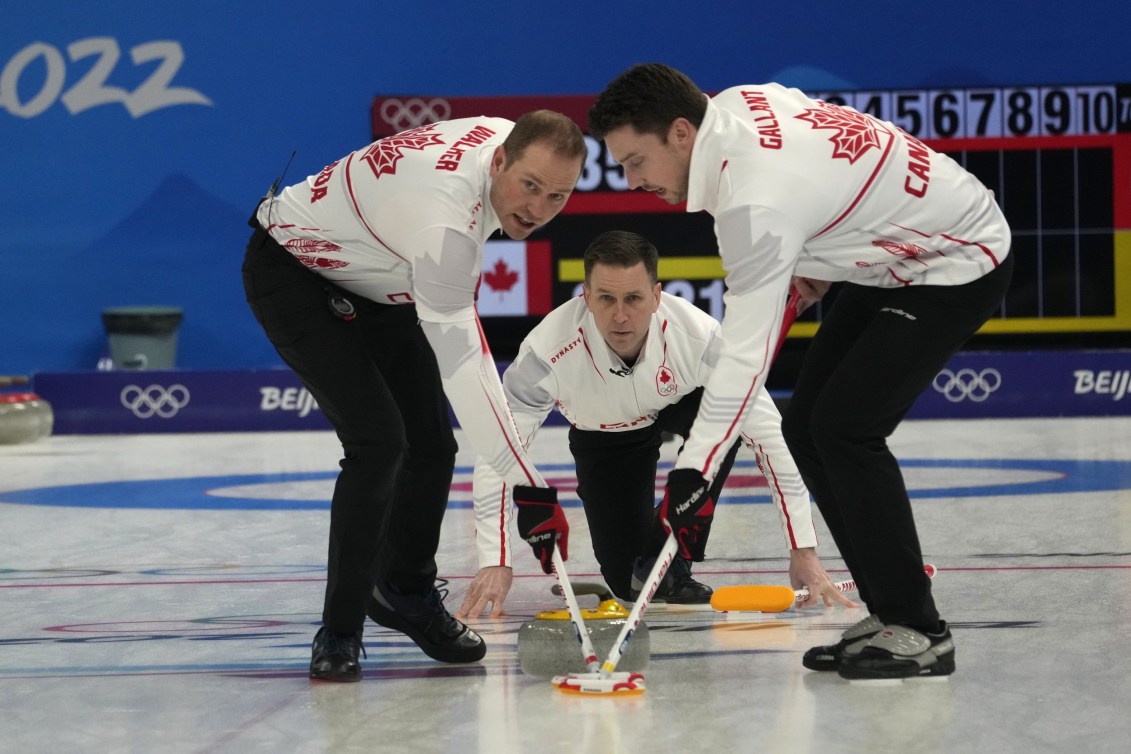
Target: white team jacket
565 363
797 186
403 220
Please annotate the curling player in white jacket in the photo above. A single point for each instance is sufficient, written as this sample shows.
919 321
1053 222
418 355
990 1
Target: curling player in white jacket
625 363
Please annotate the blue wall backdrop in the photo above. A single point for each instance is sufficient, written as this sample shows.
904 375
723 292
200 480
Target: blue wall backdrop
136 137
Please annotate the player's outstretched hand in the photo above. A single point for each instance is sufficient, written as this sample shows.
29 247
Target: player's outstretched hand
489 587
541 523
805 570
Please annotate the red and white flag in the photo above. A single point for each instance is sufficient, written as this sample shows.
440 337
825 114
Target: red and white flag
516 279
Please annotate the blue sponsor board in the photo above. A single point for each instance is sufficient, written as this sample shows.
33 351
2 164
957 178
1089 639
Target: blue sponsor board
984 384
172 400
129 402
976 384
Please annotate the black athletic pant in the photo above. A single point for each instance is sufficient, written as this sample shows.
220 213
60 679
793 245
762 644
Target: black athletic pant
616 481
874 353
375 378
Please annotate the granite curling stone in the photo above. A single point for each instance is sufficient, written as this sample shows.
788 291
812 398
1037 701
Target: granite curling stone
548 645
24 417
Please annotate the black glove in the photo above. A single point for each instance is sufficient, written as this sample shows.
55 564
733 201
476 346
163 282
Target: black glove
687 511
541 523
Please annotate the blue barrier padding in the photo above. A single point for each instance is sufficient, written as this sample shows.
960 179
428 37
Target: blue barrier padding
976 384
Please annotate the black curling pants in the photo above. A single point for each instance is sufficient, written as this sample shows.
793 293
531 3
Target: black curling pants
616 481
874 353
375 378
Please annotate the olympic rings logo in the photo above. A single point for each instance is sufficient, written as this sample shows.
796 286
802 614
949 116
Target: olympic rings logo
966 383
413 112
155 400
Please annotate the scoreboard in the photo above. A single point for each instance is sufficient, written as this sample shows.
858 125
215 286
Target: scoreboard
1058 158
996 112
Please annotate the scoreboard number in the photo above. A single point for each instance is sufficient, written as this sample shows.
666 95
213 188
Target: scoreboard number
996 112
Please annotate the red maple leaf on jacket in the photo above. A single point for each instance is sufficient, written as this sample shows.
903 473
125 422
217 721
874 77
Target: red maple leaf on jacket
855 133
501 278
382 155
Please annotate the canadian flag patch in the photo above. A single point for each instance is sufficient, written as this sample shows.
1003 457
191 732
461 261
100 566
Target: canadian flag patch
665 381
515 279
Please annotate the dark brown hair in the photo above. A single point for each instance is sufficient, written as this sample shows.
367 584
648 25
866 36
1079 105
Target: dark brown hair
620 248
648 97
561 133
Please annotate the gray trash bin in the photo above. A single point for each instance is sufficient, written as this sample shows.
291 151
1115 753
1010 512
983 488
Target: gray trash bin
142 337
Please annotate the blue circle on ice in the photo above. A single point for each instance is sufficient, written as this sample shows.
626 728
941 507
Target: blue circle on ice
926 478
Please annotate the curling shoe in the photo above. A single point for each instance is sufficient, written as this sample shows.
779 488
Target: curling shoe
333 656
899 652
676 588
830 656
425 620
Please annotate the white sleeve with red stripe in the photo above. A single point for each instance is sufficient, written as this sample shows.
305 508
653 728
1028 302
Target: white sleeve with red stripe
761 432
529 386
493 515
472 385
446 271
759 247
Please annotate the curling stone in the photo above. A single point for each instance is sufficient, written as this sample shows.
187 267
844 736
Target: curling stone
548 645
24 417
